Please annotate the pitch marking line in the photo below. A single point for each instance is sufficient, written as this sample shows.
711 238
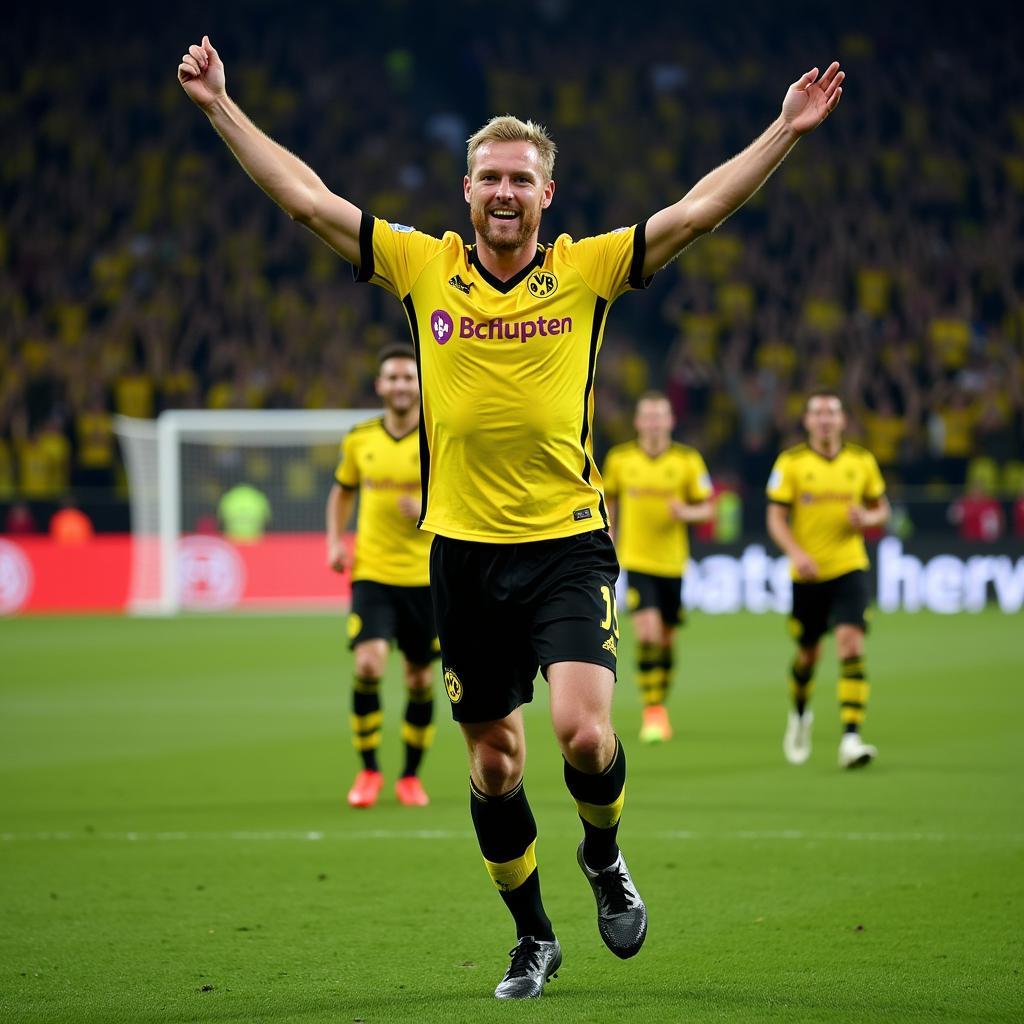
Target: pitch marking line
361 835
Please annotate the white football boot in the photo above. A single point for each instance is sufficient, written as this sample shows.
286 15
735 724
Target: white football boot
796 744
854 752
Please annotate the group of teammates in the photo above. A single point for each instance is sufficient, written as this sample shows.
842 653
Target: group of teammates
822 495
522 569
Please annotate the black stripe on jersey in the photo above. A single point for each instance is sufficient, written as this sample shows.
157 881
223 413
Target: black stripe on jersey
410 312
505 286
365 269
600 308
636 265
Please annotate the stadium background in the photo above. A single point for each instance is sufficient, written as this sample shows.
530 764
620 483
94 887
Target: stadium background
173 838
141 270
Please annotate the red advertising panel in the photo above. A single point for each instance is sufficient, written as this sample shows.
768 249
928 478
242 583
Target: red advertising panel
38 574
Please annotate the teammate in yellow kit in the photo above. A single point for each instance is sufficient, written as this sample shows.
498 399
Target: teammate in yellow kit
380 461
654 488
507 333
822 496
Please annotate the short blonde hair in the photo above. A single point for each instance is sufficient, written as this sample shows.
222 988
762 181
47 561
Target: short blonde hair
507 128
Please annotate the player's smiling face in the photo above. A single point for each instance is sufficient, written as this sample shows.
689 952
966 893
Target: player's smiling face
397 384
506 192
824 421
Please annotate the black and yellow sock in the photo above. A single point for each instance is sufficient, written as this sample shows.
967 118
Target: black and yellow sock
417 732
507 834
801 685
366 720
854 691
667 662
650 674
599 799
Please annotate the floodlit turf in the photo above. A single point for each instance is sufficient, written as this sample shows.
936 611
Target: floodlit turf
174 843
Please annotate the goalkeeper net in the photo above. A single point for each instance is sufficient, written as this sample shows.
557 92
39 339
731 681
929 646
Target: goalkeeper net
228 507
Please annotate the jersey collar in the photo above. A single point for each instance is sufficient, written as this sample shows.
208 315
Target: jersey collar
496 283
827 458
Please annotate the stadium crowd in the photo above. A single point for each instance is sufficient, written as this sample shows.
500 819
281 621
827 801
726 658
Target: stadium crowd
139 271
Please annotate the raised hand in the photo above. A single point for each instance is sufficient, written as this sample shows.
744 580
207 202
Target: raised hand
810 99
201 73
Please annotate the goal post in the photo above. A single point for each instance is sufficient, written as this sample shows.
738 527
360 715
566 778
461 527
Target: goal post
187 552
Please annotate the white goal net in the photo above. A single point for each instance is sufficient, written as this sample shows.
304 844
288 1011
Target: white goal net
228 507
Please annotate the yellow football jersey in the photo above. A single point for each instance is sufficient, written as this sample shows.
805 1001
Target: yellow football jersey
506 376
389 548
819 492
648 538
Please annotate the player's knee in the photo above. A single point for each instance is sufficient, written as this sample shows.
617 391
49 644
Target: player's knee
585 745
806 656
647 627
497 769
849 642
369 665
418 678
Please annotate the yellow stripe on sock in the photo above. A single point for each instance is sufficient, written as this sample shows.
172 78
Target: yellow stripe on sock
364 723
602 815
421 736
366 686
371 742
854 691
512 873
853 699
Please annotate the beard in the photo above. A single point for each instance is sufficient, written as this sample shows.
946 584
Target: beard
501 238
401 403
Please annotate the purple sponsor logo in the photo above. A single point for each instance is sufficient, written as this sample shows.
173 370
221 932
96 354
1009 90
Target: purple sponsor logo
442 325
522 331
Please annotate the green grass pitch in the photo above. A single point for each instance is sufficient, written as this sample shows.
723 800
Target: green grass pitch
175 846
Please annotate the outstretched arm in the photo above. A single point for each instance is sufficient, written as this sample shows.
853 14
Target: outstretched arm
808 102
293 185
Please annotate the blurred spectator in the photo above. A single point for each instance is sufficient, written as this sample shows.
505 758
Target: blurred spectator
70 525
245 512
978 515
19 521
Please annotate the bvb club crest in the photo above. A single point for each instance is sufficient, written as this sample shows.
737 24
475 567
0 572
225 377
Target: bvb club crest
542 284
453 685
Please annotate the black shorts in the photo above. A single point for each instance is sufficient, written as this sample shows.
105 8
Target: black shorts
382 611
817 607
661 592
505 610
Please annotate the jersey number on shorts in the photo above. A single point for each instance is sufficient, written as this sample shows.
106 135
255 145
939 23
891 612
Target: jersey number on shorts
611 615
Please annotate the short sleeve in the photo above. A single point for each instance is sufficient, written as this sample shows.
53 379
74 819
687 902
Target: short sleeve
393 255
780 483
347 473
874 485
698 480
612 263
